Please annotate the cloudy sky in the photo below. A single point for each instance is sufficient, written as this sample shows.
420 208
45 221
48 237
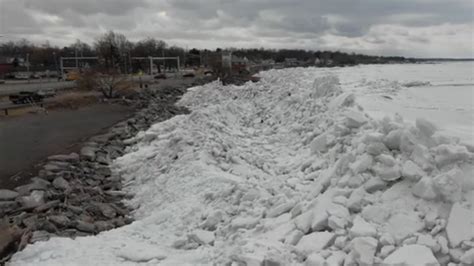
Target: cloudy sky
421 28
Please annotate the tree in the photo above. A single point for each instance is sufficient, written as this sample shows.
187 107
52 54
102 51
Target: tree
113 49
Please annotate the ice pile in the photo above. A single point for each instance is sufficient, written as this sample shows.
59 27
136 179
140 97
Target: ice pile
286 171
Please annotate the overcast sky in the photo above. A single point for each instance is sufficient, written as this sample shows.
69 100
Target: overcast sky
421 28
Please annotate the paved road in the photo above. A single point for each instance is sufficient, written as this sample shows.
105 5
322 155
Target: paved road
14 87
26 140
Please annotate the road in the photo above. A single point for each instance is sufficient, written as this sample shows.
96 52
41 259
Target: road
17 86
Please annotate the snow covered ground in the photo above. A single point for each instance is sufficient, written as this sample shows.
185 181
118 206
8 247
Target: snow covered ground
292 171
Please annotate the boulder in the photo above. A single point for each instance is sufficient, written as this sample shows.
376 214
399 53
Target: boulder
6 195
88 153
35 199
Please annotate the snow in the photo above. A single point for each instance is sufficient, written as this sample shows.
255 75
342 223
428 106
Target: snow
299 168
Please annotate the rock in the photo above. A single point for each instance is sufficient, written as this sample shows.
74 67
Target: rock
424 189
314 259
448 154
280 209
387 173
35 199
61 183
72 158
202 237
363 250
362 164
362 228
425 127
448 185
85 226
107 210
315 241
354 119
403 225
47 206
376 148
459 226
7 206
103 226
411 255
6 195
37 184
60 220
88 153
411 171
468 257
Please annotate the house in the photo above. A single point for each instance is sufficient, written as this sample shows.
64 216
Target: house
6 66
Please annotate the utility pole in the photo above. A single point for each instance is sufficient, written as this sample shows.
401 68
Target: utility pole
28 66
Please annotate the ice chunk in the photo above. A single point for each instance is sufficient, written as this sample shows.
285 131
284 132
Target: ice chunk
141 253
315 259
403 225
319 144
424 189
422 156
426 127
449 185
386 159
280 209
363 250
468 257
407 141
428 241
375 213
355 201
202 237
459 227
303 222
344 100
355 119
293 237
387 173
336 258
411 171
376 148
411 255
325 86
244 222
448 154
361 227
392 140
362 164
320 221
315 241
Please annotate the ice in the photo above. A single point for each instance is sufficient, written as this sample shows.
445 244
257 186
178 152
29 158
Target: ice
363 250
411 255
314 259
316 241
460 225
285 168
361 227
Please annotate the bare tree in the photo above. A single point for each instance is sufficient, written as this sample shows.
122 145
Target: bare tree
112 47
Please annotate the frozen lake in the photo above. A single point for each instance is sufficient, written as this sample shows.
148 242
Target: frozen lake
442 93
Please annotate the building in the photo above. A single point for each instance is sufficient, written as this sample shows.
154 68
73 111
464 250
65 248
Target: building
6 66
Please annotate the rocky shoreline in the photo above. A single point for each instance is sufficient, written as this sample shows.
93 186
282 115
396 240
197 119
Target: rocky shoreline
78 194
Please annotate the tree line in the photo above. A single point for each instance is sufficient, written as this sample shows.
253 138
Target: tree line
115 51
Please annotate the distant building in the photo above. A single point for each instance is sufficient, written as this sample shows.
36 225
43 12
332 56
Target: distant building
6 66
240 65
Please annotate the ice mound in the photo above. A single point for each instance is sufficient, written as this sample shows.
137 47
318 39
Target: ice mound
286 171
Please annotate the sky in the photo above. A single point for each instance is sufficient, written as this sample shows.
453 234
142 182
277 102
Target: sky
412 28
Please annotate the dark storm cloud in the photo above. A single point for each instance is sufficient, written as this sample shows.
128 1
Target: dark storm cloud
373 24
